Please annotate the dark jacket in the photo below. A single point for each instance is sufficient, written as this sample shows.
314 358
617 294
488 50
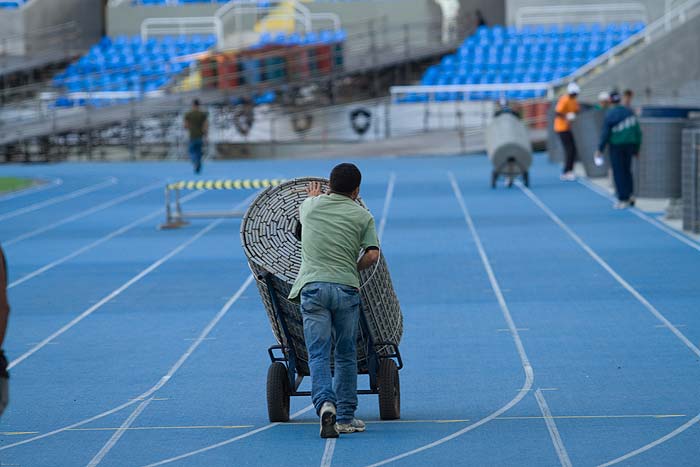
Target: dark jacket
620 127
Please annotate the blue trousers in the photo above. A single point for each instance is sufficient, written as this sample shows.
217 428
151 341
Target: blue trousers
331 313
621 161
195 151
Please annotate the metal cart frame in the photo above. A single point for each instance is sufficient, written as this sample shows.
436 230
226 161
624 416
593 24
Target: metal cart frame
284 379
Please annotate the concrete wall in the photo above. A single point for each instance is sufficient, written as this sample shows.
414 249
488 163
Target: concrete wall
669 67
126 19
655 8
494 12
32 20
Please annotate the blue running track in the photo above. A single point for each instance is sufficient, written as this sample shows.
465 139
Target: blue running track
542 328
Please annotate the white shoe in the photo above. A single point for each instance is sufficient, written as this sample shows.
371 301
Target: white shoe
621 205
567 177
328 426
356 425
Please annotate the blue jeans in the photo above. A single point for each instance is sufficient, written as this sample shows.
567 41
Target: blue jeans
621 161
195 150
331 313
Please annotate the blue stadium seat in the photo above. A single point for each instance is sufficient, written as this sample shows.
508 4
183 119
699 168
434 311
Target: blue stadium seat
530 54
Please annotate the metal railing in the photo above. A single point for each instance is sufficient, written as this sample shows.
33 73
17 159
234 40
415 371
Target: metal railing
592 13
216 24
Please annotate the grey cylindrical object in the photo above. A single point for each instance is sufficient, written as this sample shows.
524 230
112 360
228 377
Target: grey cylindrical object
586 129
507 139
555 150
267 234
657 173
691 178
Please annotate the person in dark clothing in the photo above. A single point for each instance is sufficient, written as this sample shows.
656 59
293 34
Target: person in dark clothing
4 312
622 132
480 21
198 126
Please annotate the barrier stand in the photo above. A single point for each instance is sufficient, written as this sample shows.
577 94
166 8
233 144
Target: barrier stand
175 217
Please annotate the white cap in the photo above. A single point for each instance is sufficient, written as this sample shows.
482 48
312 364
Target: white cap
603 96
573 88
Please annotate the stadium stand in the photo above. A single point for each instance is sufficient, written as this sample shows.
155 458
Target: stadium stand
129 64
532 54
12 3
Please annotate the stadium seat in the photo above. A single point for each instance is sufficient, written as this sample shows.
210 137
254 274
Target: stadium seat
531 54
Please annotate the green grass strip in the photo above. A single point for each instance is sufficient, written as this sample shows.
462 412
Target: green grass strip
13 184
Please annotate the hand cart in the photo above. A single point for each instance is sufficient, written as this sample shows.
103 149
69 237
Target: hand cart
285 375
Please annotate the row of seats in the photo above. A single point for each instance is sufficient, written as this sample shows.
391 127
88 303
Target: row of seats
293 39
12 4
532 54
131 64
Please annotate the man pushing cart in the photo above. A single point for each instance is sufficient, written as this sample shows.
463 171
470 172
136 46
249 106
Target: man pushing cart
339 317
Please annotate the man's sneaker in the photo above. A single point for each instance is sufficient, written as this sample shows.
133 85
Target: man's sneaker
328 426
352 427
621 205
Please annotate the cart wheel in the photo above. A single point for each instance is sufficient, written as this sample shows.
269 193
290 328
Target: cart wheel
526 179
494 179
510 182
278 393
389 390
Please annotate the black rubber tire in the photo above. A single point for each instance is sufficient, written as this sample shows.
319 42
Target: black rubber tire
494 179
278 393
389 390
526 179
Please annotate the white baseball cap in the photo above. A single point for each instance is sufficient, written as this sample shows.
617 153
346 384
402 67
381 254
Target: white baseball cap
603 96
573 88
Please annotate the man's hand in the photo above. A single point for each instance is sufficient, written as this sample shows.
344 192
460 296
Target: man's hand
314 189
370 258
598 158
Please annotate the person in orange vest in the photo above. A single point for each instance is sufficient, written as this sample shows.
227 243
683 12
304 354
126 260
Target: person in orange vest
566 110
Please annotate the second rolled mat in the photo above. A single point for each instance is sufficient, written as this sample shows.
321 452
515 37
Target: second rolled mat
268 236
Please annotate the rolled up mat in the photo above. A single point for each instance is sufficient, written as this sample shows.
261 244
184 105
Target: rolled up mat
268 235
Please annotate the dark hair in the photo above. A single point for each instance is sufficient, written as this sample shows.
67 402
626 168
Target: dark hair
345 178
628 93
195 102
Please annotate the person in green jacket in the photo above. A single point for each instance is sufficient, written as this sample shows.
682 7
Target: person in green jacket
622 132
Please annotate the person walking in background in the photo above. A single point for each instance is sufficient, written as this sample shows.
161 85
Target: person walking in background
4 313
479 17
334 229
566 110
622 132
627 96
197 124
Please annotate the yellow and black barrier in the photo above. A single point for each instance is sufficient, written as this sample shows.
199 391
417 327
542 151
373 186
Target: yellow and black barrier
174 217
246 184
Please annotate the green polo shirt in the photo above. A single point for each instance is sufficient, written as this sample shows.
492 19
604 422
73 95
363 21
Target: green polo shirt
334 231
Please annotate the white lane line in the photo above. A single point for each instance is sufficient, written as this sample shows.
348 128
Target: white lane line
527 368
119 433
327 458
535 199
636 295
97 242
58 199
161 382
80 215
653 444
201 338
644 216
553 431
228 441
329 449
387 204
120 289
35 189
